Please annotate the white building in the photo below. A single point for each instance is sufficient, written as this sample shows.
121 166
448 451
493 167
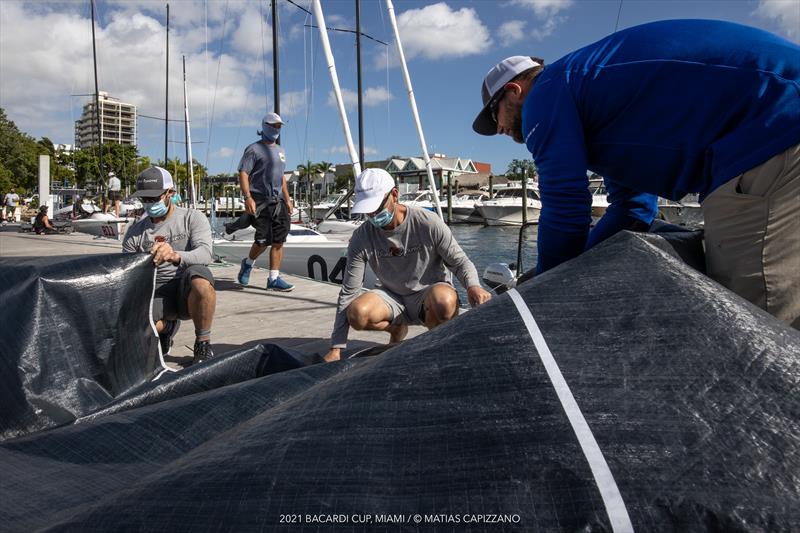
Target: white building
117 123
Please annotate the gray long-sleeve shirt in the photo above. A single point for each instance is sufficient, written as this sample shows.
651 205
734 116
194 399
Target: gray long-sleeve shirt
407 259
186 230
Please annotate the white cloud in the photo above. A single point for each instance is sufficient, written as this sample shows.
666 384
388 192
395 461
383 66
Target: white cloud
342 149
372 96
544 8
46 56
548 13
253 35
511 32
225 151
436 31
784 13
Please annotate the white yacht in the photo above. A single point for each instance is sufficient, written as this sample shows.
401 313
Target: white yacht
505 209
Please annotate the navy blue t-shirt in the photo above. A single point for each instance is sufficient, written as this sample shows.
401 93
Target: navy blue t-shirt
666 108
264 164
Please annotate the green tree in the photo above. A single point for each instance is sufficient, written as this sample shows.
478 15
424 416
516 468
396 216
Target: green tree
520 167
19 153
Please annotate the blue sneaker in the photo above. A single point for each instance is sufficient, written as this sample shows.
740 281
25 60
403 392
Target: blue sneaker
244 272
278 284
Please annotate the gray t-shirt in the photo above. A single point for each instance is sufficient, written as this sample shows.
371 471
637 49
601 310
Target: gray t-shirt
411 257
114 184
186 230
264 164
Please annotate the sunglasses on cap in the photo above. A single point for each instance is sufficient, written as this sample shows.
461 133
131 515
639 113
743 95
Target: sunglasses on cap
151 199
380 207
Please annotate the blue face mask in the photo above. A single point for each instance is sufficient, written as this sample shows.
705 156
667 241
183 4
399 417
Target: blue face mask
270 133
382 219
156 209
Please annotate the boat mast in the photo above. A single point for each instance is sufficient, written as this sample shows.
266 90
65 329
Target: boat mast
358 66
276 80
97 115
188 137
326 47
413 103
166 98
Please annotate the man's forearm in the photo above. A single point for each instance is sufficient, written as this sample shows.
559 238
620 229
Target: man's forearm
244 183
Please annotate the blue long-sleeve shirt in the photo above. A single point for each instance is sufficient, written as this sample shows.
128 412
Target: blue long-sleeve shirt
662 109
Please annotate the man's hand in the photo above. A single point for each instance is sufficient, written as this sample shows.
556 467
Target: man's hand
250 205
289 207
477 295
163 252
334 354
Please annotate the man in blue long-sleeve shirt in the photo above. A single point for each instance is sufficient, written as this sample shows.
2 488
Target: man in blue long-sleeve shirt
665 109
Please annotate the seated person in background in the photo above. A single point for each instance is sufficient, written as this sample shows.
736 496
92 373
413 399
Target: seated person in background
42 222
179 240
408 248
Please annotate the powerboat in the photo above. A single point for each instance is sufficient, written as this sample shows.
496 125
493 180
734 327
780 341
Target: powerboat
505 209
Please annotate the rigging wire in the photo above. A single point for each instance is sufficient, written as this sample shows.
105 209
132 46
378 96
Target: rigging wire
264 56
216 84
619 11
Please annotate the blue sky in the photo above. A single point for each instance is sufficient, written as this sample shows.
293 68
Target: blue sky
45 59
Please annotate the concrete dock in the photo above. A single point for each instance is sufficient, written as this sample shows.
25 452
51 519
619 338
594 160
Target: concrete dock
301 319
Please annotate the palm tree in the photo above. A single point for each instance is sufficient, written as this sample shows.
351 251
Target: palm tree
307 171
324 167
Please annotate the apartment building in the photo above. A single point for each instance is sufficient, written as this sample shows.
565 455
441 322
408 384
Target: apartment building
117 123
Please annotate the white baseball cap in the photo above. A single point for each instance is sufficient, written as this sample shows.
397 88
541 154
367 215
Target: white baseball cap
271 118
495 80
371 186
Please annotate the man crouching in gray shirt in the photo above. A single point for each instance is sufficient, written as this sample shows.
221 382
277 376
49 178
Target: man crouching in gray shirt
408 249
180 242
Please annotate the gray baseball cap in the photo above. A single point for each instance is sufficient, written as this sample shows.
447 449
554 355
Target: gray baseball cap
495 80
153 182
271 118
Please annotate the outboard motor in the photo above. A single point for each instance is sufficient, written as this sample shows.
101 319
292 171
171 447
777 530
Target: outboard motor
500 277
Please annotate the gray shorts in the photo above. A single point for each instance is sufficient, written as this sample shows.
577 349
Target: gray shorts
409 309
171 300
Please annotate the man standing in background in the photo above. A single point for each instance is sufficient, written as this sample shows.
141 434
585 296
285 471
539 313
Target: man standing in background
267 200
114 195
11 201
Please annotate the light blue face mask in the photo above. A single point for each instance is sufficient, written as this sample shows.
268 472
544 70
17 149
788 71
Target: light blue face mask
382 219
270 133
156 209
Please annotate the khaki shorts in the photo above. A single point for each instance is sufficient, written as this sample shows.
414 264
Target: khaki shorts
408 309
752 233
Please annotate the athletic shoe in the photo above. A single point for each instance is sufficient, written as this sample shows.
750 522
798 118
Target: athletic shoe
168 334
202 351
278 284
244 272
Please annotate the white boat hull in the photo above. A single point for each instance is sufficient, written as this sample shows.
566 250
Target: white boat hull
507 215
101 225
312 255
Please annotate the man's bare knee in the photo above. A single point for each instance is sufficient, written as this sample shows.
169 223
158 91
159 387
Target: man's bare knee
358 315
442 304
202 287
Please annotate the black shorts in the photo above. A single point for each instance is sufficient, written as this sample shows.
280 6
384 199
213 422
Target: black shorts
114 196
272 221
171 300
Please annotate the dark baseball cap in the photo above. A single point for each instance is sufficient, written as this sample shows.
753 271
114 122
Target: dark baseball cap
495 80
153 182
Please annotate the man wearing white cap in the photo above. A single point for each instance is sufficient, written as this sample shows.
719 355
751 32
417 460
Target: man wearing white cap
179 240
409 250
667 109
266 200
